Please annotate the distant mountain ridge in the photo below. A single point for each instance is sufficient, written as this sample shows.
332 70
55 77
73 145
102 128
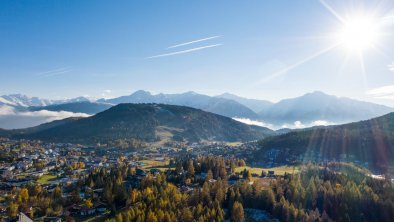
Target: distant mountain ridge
320 106
20 100
221 106
146 122
75 107
308 110
254 104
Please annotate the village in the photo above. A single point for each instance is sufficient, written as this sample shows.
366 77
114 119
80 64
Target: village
59 165
64 169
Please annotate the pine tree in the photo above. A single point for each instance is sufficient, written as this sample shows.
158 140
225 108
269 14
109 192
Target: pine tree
151 217
190 168
237 212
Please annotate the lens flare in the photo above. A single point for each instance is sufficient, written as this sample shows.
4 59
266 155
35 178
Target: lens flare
359 33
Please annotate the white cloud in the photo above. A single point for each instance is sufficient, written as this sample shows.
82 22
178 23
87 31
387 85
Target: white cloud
383 92
10 118
184 51
6 110
391 66
295 125
253 122
322 123
106 93
4 101
299 125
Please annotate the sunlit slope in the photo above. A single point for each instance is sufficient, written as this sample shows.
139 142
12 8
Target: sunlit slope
369 141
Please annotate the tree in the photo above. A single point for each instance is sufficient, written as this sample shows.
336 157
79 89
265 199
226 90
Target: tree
31 213
186 215
119 218
88 203
12 210
209 175
246 174
269 198
223 172
237 213
151 217
24 195
190 168
57 193
133 196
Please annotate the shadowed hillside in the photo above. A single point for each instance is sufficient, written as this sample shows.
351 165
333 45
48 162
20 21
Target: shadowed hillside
148 122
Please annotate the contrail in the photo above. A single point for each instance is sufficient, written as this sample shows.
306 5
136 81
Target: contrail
195 41
55 72
183 51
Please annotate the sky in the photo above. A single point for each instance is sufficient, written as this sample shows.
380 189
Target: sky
256 49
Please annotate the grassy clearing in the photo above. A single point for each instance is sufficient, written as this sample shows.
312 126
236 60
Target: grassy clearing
155 164
233 143
46 178
278 170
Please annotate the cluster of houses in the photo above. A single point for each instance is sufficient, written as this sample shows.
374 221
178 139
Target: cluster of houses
25 162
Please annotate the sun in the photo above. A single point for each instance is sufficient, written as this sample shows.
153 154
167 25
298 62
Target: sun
358 33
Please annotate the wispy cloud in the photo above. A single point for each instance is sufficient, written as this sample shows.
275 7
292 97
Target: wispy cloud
294 125
253 122
55 72
391 66
383 92
194 41
299 125
10 118
106 93
184 51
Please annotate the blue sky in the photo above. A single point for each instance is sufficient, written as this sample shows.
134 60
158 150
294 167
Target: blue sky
261 49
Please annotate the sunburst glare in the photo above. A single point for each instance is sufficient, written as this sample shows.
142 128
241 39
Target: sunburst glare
359 33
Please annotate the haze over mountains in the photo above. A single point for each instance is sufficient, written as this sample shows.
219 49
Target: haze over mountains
311 109
317 106
253 104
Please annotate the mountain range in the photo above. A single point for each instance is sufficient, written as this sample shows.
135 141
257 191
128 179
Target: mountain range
145 122
20 100
319 106
75 107
311 109
254 104
221 106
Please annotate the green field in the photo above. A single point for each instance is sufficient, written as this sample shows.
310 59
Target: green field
278 170
154 163
46 178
